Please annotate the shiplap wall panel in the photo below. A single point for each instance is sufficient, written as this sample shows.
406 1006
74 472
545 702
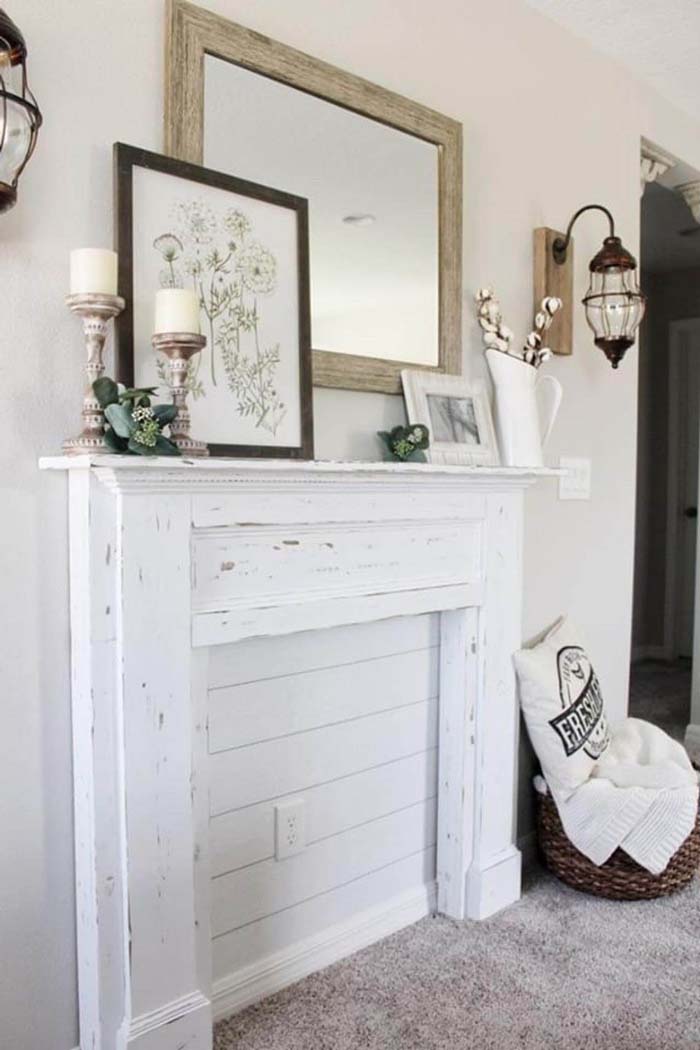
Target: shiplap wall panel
262 889
246 836
258 940
346 720
279 767
255 711
257 658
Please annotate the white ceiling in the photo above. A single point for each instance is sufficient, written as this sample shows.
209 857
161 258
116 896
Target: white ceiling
659 40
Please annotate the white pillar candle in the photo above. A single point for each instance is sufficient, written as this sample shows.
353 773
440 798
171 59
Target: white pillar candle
177 310
93 270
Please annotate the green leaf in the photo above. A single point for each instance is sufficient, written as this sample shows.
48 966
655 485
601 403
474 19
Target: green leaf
138 394
106 391
114 442
165 413
120 418
141 450
165 447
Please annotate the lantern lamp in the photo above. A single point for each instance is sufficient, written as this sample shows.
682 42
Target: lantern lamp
20 118
614 304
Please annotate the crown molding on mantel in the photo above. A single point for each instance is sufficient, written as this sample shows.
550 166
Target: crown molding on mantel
159 474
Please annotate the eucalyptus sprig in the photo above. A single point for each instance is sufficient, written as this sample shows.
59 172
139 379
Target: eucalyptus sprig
135 425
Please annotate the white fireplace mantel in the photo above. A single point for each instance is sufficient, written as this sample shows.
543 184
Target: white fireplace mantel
171 557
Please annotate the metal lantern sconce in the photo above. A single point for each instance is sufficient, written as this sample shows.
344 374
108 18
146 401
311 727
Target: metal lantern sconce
20 118
614 304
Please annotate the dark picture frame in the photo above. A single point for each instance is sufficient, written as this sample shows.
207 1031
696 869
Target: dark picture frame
127 158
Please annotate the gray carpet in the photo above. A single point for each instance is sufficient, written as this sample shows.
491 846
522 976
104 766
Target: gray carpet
557 971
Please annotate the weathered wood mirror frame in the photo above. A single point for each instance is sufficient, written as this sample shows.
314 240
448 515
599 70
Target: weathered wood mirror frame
192 33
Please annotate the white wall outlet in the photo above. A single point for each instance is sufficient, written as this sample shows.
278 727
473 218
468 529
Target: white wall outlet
290 832
576 483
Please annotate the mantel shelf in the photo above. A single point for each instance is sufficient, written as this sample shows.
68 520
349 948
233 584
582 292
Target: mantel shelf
183 471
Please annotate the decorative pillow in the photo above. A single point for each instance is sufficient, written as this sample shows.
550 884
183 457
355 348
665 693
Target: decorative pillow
563 706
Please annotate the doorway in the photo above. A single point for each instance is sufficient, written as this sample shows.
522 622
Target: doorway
668 456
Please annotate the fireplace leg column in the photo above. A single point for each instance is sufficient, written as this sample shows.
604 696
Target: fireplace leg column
494 877
169 1004
141 848
478 863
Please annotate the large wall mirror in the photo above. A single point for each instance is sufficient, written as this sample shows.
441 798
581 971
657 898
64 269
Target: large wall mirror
382 175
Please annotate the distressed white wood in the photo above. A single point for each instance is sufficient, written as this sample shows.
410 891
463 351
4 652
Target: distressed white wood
456 783
100 837
493 880
231 624
233 664
139 674
246 567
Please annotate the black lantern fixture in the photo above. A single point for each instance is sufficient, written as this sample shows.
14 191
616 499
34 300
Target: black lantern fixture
614 304
20 118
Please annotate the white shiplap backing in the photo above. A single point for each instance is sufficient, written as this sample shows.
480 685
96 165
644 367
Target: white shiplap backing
346 719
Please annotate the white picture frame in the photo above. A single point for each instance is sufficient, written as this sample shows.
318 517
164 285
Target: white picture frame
457 412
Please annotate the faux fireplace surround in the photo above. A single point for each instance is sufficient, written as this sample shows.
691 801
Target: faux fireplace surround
171 557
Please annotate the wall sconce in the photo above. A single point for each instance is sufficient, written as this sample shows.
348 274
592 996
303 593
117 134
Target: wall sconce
20 118
614 304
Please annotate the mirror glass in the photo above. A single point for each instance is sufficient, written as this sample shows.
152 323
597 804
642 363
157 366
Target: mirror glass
373 207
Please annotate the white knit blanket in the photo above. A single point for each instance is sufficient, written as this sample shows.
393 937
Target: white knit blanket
642 796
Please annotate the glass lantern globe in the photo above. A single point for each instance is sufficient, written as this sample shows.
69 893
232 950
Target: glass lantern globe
614 304
20 118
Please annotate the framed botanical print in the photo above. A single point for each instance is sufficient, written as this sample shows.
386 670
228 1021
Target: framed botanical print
458 415
243 249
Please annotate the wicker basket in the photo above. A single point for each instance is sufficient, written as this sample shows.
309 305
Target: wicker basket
619 878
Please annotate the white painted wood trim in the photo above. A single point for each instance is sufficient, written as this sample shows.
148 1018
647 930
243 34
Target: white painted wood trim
157 470
277 971
456 773
493 880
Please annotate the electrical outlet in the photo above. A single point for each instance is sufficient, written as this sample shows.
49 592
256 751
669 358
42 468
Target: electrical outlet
576 483
290 833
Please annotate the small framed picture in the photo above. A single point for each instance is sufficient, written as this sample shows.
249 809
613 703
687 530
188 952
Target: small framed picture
244 250
457 412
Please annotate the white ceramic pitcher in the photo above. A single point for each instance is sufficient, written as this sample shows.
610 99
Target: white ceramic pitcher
521 437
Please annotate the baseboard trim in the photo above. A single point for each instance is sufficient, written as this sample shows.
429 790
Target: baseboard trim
494 886
189 1016
255 982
